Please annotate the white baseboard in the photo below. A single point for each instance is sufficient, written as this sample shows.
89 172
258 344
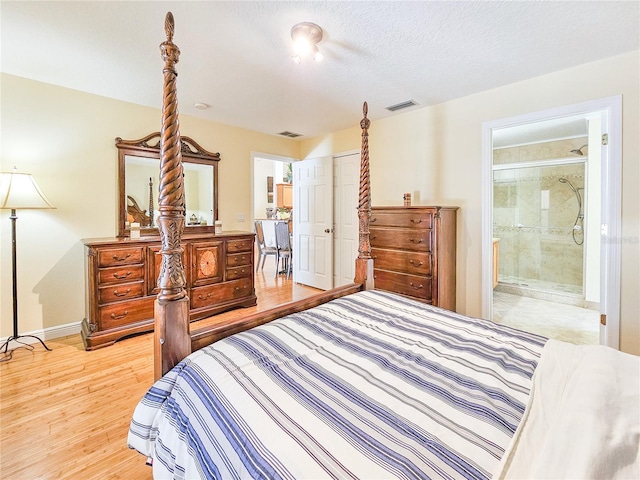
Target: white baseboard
50 333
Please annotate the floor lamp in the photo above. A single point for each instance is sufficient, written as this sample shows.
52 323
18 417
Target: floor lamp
18 191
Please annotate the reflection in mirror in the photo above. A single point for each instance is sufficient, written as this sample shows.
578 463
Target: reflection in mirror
141 187
139 169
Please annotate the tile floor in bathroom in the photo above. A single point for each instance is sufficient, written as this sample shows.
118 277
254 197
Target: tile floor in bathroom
550 319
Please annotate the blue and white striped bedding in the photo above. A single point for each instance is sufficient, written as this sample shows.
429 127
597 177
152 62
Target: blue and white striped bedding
372 385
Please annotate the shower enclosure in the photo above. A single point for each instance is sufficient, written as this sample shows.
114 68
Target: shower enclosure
539 220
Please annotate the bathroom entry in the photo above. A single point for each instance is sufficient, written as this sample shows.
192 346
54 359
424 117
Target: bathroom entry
548 262
601 198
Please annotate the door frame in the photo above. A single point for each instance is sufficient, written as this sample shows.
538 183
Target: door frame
611 203
265 156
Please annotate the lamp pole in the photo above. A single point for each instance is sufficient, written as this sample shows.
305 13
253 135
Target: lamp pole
8 354
18 190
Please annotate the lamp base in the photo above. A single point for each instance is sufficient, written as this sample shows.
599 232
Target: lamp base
8 354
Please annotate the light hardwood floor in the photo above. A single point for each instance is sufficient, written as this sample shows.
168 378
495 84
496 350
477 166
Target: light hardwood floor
65 414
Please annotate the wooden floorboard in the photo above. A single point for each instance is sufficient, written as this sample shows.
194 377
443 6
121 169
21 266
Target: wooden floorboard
65 414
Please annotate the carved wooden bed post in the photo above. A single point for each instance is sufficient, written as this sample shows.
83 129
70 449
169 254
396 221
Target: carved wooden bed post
364 262
172 341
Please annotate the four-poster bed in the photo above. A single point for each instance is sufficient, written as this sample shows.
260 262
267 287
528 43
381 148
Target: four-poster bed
362 383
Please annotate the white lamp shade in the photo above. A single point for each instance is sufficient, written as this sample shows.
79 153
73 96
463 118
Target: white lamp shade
20 191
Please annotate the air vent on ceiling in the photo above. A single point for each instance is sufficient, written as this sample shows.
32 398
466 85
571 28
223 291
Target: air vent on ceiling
400 106
286 133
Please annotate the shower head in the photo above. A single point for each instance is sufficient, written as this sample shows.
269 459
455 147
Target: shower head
564 180
578 151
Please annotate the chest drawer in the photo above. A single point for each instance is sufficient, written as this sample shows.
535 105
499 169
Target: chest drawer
124 274
212 294
418 263
238 259
119 292
411 285
402 219
239 272
124 313
112 257
244 245
402 238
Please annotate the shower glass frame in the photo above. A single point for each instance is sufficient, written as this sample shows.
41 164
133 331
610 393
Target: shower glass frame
540 228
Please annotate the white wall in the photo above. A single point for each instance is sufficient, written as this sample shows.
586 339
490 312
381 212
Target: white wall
436 153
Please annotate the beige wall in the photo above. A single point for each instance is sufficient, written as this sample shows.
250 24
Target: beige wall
65 138
436 153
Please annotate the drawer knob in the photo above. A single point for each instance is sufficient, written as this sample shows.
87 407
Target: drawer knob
373 237
413 240
240 288
415 264
203 297
416 287
416 221
122 294
373 219
120 259
120 277
118 317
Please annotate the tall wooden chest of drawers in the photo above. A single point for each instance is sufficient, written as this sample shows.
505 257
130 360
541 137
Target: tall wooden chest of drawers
121 281
414 252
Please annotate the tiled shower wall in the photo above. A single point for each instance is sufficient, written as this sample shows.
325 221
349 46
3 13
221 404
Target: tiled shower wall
534 215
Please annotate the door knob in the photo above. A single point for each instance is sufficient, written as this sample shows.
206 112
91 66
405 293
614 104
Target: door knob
328 230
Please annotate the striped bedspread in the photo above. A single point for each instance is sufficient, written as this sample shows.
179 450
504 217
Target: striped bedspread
372 385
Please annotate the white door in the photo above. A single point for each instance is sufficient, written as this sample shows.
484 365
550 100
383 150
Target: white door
346 182
313 222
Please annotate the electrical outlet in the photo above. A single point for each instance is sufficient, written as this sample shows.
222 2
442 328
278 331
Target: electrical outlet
241 217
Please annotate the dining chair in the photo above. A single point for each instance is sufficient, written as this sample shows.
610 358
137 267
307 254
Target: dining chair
263 249
283 247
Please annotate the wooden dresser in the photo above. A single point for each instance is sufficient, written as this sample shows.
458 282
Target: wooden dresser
121 277
414 252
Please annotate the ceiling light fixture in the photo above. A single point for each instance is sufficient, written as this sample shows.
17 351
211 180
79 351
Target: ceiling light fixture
201 106
306 36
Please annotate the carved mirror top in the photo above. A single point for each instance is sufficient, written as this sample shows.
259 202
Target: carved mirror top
190 147
138 177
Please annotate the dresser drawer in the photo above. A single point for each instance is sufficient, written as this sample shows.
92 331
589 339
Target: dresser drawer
411 285
238 259
418 263
402 238
120 256
402 219
117 293
239 272
243 245
124 274
125 313
222 292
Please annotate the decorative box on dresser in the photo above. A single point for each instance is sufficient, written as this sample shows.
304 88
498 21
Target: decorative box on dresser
122 273
414 252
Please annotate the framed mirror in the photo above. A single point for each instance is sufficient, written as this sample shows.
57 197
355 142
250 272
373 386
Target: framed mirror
138 177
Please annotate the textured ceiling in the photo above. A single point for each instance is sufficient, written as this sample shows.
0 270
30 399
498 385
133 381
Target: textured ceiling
236 55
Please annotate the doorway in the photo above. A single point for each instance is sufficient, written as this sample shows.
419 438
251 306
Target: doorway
548 207
344 168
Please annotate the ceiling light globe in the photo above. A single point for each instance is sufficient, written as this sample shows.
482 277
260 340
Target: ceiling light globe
318 55
301 47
